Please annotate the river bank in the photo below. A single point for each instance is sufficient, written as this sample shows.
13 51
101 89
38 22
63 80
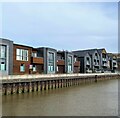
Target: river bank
32 83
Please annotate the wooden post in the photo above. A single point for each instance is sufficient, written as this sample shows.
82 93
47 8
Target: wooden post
14 88
19 88
38 86
25 87
30 87
8 89
3 89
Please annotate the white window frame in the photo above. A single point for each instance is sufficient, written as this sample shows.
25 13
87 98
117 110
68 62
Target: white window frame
21 54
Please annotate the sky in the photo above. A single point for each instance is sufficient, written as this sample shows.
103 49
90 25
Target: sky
63 26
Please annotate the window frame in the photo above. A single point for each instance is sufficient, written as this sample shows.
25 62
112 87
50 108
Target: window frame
22 54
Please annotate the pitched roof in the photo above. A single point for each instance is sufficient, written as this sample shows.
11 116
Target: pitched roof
82 53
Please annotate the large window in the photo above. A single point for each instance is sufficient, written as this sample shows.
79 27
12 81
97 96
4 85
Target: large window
51 67
69 63
2 51
2 57
22 55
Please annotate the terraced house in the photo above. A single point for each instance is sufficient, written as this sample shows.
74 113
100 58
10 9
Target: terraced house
6 60
67 62
96 60
85 61
113 64
22 59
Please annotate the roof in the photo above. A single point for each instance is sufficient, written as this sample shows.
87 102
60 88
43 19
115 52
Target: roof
23 45
3 39
82 53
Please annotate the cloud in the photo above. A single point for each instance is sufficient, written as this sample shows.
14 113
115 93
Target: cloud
62 25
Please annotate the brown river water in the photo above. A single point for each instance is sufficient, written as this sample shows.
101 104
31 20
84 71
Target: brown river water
93 99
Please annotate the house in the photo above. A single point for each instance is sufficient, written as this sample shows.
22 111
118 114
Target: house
112 62
85 61
60 62
21 59
103 60
49 58
76 64
6 58
67 62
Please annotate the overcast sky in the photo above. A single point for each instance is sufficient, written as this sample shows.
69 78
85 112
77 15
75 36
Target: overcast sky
68 26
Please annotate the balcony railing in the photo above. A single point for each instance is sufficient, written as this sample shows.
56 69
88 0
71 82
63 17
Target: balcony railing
77 63
60 62
37 60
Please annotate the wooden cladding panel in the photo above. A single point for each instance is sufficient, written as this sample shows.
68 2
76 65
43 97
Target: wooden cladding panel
37 60
60 62
77 63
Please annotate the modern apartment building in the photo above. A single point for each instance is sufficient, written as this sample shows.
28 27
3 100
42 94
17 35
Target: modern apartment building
49 59
6 57
67 62
76 64
113 65
85 61
22 59
104 60
96 60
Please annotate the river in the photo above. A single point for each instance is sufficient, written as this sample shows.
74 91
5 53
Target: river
92 99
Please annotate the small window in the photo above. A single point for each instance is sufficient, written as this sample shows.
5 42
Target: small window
34 68
34 54
2 66
22 67
75 59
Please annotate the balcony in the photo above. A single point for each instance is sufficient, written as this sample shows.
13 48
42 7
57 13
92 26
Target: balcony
37 60
77 63
61 62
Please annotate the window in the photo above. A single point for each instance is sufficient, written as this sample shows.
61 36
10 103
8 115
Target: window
34 54
51 66
69 63
34 68
22 55
22 67
2 66
3 57
2 51
75 59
